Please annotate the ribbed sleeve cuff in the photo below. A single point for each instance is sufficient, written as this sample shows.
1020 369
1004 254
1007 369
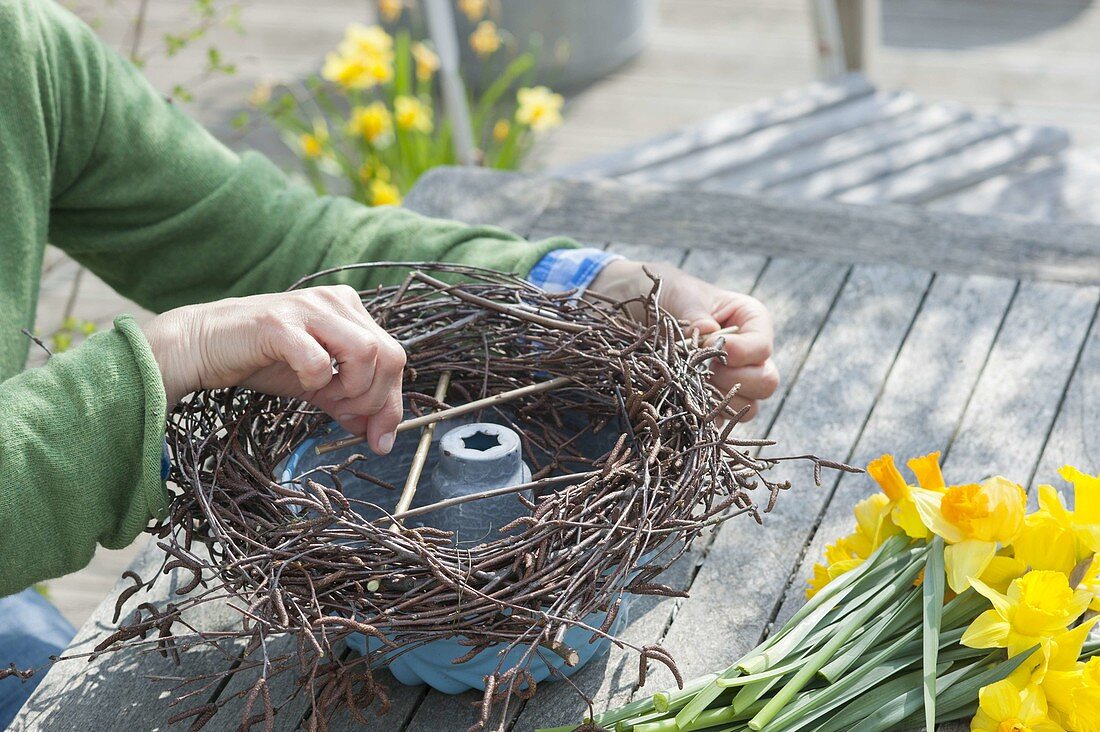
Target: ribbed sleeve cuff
151 486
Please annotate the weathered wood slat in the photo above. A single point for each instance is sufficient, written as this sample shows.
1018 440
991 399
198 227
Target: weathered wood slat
1062 188
479 199
729 125
1075 438
1014 402
601 211
893 161
839 149
701 164
972 165
113 692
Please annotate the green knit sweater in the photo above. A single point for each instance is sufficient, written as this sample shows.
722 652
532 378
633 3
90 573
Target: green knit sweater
97 163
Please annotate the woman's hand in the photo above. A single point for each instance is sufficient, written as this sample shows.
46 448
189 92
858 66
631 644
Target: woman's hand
286 344
707 308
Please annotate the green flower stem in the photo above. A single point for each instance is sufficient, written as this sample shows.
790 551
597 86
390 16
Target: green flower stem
932 595
675 699
821 625
771 673
900 617
853 624
819 702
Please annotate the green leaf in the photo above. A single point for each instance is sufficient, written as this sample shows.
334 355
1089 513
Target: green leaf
981 674
517 68
402 57
852 624
932 594
240 121
857 683
900 618
181 93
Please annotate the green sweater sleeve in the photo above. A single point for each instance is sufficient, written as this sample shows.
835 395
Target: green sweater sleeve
167 215
79 456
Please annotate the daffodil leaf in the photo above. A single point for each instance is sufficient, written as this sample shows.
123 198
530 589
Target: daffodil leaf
932 593
978 675
900 618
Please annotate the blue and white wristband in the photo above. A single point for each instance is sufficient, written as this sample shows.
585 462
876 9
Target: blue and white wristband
562 270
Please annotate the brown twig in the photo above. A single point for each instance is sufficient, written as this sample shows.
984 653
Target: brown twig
421 456
469 408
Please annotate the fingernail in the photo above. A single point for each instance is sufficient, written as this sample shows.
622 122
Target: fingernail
385 443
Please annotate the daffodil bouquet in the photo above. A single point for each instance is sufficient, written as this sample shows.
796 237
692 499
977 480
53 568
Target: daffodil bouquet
370 118
945 603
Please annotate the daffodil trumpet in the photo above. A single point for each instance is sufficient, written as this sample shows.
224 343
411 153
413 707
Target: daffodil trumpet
947 602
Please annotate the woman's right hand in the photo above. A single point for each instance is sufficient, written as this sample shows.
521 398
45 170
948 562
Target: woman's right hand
285 344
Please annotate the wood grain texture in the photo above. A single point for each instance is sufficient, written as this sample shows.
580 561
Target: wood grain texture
1015 400
838 149
480 199
893 161
973 164
706 162
1058 188
1075 439
728 125
114 691
601 211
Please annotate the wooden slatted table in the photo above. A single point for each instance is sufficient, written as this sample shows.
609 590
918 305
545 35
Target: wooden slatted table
898 329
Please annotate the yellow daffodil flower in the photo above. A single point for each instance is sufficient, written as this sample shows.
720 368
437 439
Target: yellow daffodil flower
261 93
1086 506
357 71
873 526
1000 572
539 108
427 62
474 10
485 40
1075 696
412 114
1038 606
974 519
1004 708
1072 687
501 130
367 41
1047 539
839 558
372 123
1091 582
315 144
391 9
384 193
363 60
903 512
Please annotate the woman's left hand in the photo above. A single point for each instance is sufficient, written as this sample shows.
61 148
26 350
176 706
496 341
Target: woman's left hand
708 309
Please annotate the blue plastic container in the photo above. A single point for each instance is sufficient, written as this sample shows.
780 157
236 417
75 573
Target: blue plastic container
431 663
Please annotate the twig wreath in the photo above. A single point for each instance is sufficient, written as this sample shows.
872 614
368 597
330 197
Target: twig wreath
301 561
